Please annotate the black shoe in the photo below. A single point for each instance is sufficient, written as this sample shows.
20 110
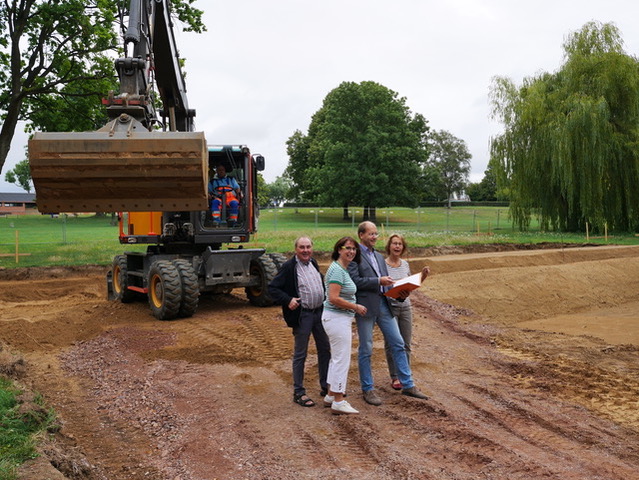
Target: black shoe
414 392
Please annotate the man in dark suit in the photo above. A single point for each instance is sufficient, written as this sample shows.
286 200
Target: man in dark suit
299 288
372 279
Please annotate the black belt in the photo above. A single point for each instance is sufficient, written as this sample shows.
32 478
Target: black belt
311 310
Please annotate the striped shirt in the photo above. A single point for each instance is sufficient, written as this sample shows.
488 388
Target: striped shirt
337 274
309 285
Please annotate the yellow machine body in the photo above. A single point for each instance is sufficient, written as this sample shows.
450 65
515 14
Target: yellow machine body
144 223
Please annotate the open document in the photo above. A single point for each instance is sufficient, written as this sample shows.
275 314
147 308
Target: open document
407 283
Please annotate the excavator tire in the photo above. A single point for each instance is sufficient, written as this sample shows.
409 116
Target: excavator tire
120 277
263 268
190 288
165 290
119 171
278 259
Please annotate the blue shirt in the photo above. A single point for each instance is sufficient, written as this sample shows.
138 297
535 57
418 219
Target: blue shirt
223 182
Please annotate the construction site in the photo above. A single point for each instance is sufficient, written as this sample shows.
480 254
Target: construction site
529 358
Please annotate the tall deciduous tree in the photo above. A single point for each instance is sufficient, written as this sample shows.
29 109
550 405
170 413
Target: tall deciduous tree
364 147
451 158
570 147
56 61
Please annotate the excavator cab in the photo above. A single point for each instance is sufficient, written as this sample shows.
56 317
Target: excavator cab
229 216
232 189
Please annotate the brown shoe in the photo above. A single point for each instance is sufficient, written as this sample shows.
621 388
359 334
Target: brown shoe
371 397
414 392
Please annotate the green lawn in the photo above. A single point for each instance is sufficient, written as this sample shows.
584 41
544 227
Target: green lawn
88 239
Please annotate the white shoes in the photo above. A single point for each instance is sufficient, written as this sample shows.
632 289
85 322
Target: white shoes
341 408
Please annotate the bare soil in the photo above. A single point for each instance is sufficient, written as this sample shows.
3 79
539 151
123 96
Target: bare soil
530 358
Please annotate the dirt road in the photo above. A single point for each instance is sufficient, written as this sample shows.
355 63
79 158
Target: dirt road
530 359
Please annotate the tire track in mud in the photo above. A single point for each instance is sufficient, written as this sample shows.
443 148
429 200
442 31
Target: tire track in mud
210 396
242 340
612 393
551 436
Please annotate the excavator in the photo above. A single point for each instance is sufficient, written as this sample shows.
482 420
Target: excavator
153 169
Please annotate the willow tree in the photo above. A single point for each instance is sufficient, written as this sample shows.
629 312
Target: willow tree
569 152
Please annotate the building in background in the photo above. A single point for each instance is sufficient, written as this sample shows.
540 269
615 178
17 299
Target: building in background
17 203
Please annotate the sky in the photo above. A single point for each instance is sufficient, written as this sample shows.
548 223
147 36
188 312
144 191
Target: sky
263 68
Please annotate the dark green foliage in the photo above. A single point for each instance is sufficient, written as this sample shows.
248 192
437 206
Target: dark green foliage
486 189
20 175
363 147
56 63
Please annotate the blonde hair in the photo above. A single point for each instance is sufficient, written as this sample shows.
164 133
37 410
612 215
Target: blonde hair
390 240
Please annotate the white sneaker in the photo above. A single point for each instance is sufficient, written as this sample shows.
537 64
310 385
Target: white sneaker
342 408
328 400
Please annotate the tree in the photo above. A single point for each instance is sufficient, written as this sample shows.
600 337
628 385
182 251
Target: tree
486 189
297 147
262 190
56 62
279 190
450 156
364 147
20 175
569 151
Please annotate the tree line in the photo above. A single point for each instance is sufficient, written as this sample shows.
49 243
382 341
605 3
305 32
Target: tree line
568 153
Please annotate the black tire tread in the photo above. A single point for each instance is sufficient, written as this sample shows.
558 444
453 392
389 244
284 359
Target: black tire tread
122 293
172 290
190 288
265 267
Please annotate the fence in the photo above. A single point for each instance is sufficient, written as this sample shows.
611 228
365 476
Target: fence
89 239
482 220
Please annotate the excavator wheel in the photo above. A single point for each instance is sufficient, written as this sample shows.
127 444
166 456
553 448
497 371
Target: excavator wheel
120 277
165 290
190 287
278 259
263 268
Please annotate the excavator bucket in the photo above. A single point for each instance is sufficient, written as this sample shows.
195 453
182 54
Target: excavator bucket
119 171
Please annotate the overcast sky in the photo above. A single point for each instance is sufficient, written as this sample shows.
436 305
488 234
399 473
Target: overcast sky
264 67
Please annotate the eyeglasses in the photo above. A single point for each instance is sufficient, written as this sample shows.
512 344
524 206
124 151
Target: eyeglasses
352 249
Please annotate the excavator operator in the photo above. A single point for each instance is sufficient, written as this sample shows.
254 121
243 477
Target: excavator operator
224 190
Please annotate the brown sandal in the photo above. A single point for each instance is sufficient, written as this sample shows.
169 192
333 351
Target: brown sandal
396 384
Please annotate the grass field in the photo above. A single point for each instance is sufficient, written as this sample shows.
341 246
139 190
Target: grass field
88 239
19 429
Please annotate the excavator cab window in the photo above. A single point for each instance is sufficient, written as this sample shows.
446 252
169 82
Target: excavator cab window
228 194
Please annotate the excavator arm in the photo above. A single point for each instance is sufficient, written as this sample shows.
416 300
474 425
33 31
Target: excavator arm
137 161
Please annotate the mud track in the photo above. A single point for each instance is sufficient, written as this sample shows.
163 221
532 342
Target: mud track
530 359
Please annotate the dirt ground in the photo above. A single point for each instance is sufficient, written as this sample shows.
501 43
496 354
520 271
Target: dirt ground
530 358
